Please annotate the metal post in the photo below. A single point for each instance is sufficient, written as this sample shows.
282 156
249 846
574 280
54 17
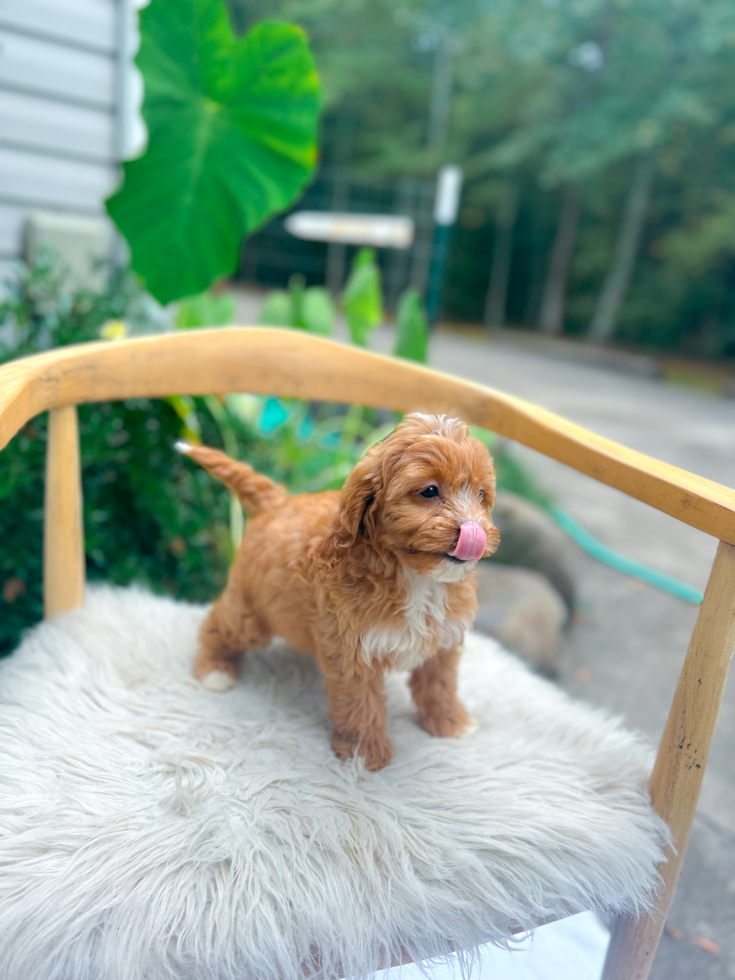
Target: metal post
446 206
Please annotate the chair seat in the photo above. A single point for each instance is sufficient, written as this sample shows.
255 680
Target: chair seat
150 828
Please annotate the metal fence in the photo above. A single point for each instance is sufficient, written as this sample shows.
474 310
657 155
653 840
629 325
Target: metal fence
270 257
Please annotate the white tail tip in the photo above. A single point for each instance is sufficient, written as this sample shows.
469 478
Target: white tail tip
182 446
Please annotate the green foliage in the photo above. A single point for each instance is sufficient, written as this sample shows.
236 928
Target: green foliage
278 310
40 311
362 300
546 94
314 447
412 328
317 311
309 309
148 516
205 310
231 141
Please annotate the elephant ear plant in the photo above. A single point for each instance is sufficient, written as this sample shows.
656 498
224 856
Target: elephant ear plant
232 127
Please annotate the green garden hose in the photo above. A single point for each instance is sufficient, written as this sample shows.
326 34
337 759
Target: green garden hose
596 549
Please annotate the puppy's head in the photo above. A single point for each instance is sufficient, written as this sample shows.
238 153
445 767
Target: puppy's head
422 495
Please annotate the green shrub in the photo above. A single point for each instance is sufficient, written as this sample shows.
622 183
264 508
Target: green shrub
150 515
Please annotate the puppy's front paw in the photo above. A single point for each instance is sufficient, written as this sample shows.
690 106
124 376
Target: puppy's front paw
377 752
448 720
375 749
218 680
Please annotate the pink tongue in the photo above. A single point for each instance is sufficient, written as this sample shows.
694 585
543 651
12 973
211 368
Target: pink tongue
472 542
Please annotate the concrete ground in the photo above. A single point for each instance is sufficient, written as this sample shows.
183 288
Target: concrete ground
627 646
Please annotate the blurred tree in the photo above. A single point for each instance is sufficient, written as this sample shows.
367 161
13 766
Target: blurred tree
617 280
505 221
551 317
580 105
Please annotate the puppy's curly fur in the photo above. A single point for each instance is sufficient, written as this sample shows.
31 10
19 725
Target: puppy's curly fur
361 579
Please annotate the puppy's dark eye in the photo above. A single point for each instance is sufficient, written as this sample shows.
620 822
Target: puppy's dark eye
482 494
431 491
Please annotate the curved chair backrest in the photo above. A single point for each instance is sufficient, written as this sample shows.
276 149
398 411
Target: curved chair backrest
294 364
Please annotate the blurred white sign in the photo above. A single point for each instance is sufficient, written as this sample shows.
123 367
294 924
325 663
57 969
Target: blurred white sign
379 230
448 189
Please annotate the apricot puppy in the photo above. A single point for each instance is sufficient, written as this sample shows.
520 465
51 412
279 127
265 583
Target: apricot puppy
378 577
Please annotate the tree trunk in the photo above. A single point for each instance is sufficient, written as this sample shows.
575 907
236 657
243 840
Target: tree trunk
497 292
551 318
620 273
441 94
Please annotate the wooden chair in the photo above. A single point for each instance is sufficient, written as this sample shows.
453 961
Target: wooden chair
297 365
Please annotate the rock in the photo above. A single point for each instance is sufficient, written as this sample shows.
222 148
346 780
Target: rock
529 538
523 611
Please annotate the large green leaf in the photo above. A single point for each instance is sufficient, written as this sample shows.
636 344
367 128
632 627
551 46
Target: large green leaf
231 141
362 301
412 328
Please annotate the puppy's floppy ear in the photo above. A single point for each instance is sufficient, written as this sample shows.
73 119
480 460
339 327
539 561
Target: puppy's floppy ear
359 494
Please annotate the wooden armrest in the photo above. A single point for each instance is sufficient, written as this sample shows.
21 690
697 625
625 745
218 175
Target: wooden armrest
291 363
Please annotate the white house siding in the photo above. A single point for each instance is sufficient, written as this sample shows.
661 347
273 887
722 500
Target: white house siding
61 132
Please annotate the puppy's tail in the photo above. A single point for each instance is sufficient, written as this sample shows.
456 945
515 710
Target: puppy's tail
255 492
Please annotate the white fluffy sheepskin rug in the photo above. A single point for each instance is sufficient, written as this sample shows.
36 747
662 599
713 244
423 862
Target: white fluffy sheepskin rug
151 829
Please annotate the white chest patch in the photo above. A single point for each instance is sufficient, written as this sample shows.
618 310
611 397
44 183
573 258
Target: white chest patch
424 630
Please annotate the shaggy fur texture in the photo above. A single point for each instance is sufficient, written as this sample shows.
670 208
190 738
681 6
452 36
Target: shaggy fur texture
365 580
150 829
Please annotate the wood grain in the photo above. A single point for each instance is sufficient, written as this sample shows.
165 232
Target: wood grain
681 760
295 364
63 534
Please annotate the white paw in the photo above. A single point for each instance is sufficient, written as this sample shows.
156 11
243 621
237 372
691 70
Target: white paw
218 680
470 729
